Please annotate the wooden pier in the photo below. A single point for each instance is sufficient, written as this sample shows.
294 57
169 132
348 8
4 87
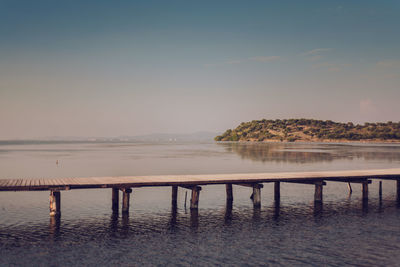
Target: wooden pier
194 183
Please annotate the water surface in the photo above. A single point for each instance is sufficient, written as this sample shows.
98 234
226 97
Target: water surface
342 231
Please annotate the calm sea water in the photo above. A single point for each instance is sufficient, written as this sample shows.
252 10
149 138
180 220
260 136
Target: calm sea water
293 232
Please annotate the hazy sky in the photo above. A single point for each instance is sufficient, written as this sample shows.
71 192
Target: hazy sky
111 68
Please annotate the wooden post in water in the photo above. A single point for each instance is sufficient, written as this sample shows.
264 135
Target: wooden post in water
115 199
174 195
229 193
257 195
125 199
380 189
365 190
398 189
318 191
277 190
55 203
350 189
194 201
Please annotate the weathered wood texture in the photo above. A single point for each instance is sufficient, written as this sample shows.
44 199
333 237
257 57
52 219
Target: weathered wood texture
350 189
194 201
55 203
277 190
115 199
318 191
174 200
365 190
398 190
125 199
257 195
229 192
171 180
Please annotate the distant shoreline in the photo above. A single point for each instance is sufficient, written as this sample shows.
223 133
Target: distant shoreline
317 141
310 130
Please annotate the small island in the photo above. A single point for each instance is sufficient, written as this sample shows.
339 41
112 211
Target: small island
310 130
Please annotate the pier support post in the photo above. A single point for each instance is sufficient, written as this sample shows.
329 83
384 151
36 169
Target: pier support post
380 189
125 199
229 193
55 203
365 190
398 189
318 191
174 200
350 189
194 201
277 190
257 195
115 200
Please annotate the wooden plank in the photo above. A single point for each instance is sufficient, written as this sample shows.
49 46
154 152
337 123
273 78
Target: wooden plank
54 182
45 182
7 182
36 182
32 183
19 182
26 183
69 181
13 183
3 182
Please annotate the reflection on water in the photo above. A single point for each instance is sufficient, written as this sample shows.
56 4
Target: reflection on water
300 153
121 159
212 236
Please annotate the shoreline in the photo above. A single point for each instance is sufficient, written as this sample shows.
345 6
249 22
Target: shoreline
318 141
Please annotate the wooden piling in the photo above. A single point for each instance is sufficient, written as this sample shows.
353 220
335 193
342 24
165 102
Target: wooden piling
398 190
115 199
55 203
257 195
380 189
229 192
350 189
125 199
277 190
318 191
194 201
174 200
365 190
185 198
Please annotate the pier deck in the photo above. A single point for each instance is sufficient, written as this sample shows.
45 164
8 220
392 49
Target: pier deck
194 182
178 180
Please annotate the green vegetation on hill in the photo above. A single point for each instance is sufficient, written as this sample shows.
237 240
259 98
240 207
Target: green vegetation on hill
307 130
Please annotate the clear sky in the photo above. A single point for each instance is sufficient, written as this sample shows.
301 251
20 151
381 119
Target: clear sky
111 68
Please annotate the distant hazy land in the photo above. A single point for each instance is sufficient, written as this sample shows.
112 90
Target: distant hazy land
157 137
309 130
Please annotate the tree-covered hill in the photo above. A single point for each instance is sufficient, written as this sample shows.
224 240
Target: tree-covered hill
309 130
